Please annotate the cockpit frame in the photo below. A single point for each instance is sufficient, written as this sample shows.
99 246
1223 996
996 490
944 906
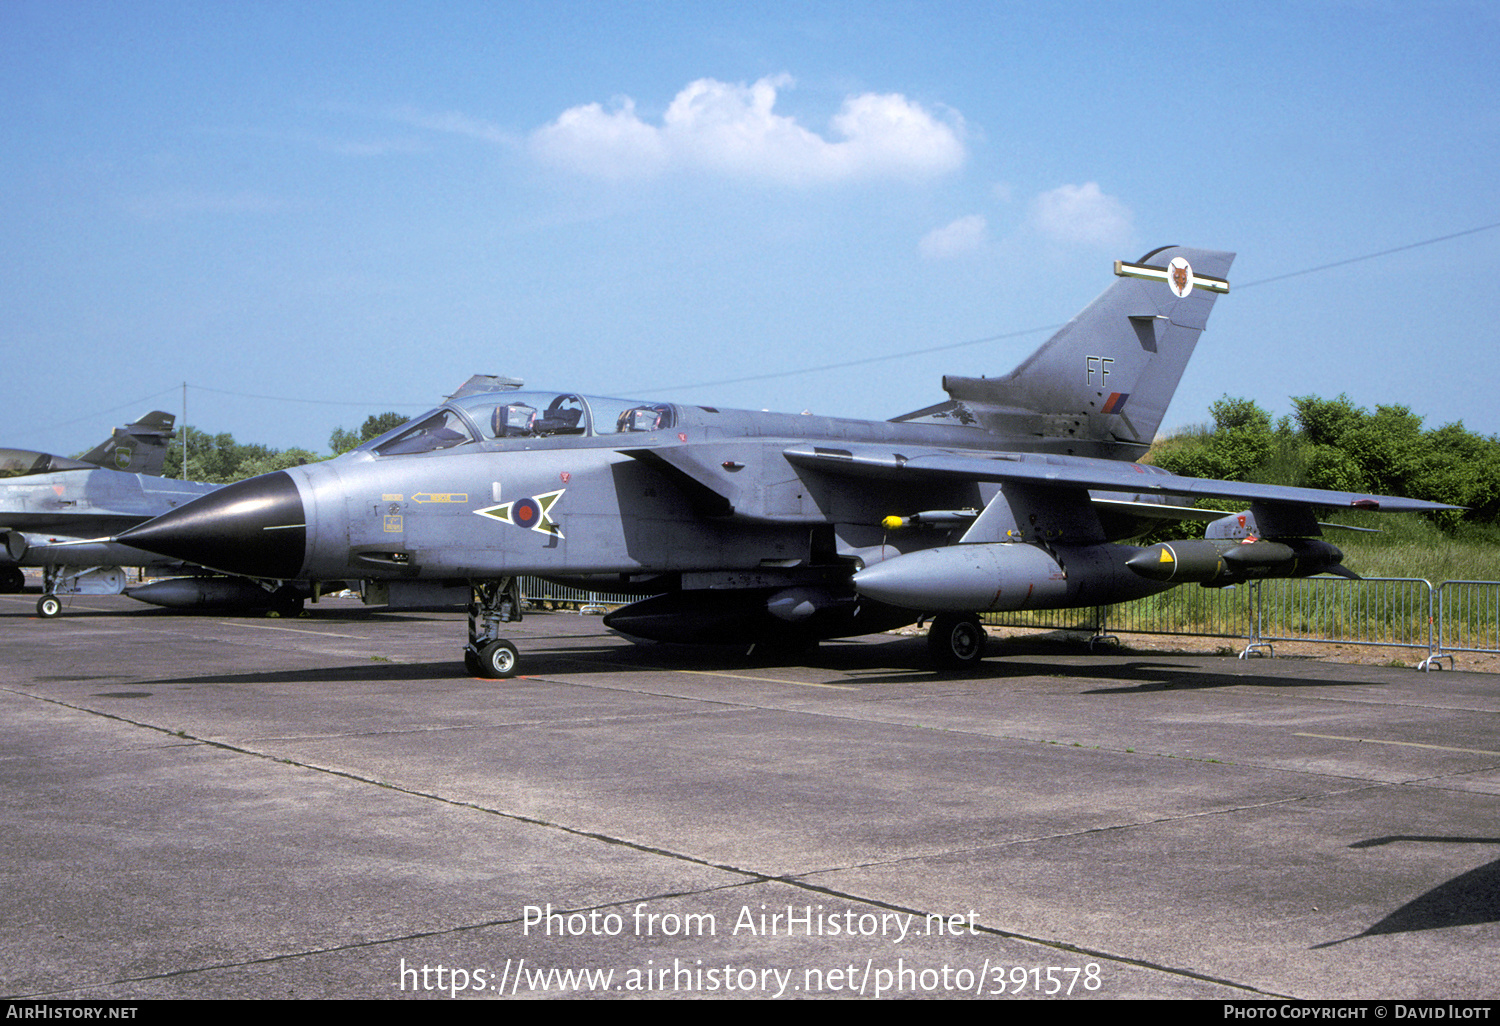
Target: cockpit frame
502 420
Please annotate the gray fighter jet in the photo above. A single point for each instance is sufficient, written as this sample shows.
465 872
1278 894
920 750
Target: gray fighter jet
58 513
777 529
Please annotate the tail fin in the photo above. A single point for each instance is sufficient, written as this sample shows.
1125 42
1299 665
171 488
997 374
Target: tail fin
140 448
1101 385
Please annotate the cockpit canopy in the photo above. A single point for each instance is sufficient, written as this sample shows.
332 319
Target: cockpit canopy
22 462
518 416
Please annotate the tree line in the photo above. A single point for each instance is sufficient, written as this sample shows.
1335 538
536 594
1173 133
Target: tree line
219 459
1336 445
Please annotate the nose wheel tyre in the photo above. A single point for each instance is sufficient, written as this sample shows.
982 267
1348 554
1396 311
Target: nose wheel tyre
497 659
48 606
956 640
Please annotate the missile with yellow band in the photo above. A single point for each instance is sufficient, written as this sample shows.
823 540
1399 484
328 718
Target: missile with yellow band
931 518
1219 563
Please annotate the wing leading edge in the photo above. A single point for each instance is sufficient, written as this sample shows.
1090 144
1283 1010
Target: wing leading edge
1078 472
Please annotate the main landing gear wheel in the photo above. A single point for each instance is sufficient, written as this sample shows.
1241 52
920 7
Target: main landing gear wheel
48 606
496 659
286 602
956 640
12 580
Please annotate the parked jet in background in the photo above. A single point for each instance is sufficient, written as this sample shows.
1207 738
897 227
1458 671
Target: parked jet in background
54 511
139 448
750 527
58 513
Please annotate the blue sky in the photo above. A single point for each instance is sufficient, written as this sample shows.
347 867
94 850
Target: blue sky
311 212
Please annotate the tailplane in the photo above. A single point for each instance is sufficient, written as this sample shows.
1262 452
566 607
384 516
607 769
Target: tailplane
1101 385
139 448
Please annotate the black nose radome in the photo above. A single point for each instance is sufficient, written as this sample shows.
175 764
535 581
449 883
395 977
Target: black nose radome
256 527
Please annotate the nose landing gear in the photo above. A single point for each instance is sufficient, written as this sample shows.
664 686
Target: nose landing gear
487 654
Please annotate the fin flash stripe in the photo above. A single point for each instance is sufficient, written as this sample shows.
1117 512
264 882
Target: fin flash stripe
1150 273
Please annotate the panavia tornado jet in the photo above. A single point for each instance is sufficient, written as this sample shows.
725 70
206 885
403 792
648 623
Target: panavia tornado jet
760 528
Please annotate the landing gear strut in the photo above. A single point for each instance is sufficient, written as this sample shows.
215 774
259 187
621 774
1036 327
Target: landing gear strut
49 605
956 640
487 654
63 580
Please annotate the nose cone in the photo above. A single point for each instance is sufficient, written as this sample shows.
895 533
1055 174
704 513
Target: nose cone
257 528
1158 563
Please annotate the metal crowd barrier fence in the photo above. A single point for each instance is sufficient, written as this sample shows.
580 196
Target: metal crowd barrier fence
1385 612
1082 619
1198 612
1468 616
1201 612
534 589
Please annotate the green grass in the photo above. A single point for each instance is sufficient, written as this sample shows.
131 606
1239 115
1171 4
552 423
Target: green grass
1412 546
1407 546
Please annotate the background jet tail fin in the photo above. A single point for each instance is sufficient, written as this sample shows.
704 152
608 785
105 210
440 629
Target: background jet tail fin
1101 385
140 448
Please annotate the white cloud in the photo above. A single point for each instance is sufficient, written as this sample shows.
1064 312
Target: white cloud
607 144
1082 214
962 236
734 130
